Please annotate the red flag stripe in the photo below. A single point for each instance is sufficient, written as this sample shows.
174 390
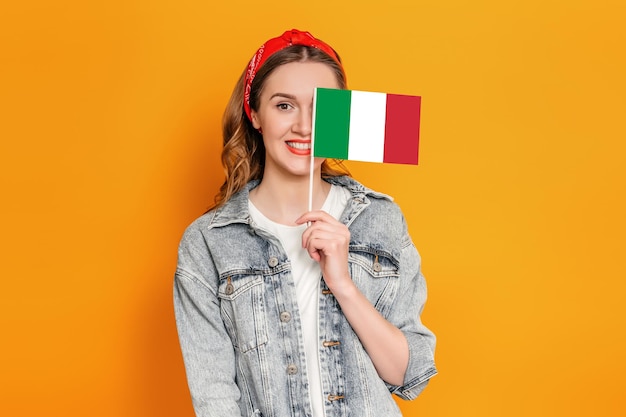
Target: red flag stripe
402 129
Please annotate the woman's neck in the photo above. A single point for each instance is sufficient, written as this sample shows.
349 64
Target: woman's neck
283 200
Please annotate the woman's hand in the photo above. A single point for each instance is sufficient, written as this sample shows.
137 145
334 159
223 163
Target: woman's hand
326 240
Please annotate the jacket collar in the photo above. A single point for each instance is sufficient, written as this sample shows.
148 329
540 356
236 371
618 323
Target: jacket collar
236 209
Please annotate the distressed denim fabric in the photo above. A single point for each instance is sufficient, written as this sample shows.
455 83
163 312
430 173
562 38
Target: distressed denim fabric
239 326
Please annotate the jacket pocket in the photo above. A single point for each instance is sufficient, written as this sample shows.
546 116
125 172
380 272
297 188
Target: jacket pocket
376 274
243 310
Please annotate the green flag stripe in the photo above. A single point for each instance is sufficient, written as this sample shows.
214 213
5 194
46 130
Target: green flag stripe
332 123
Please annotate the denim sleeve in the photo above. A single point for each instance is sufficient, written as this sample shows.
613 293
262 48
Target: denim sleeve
406 313
207 350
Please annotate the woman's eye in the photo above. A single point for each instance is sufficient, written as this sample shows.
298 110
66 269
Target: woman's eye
283 106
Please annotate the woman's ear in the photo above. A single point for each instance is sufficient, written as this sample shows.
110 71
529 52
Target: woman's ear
255 119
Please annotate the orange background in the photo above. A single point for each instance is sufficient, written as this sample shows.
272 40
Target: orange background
110 141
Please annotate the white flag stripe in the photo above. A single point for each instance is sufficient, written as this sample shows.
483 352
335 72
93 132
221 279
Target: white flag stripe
367 126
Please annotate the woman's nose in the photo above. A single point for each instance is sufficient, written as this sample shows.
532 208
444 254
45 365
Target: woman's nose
304 123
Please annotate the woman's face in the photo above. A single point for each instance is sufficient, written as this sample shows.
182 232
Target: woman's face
284 116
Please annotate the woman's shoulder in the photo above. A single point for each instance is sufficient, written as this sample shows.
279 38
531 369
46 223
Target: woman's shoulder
195 231
233 211
374 218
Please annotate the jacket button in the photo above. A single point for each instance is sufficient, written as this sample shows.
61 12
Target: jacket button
285 316
230 289
377 267
273 261
229 286
292 369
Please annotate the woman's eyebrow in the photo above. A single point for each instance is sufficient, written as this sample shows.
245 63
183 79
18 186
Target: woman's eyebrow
283 95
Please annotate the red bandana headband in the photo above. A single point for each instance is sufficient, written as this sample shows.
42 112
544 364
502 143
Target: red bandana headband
269 48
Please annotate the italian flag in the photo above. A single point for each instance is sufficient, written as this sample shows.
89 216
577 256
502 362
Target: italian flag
366 126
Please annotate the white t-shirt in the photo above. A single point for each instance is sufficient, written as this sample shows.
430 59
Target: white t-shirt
306 274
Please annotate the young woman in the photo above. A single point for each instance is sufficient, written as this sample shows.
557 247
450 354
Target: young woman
287 312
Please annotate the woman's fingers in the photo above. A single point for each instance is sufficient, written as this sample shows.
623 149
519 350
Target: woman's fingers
316 215
327 240
324 230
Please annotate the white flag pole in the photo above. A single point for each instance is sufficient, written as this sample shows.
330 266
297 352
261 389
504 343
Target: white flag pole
311 180
312 152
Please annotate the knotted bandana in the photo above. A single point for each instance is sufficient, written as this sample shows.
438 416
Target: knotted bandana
269 48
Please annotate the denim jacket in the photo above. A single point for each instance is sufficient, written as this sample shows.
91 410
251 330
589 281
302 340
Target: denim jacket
239 326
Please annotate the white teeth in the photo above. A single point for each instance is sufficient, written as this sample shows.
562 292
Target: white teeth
300 145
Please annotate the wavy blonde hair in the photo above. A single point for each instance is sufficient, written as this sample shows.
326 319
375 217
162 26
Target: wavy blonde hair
243 155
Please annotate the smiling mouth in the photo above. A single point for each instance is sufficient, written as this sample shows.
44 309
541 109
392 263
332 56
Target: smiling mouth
302 146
